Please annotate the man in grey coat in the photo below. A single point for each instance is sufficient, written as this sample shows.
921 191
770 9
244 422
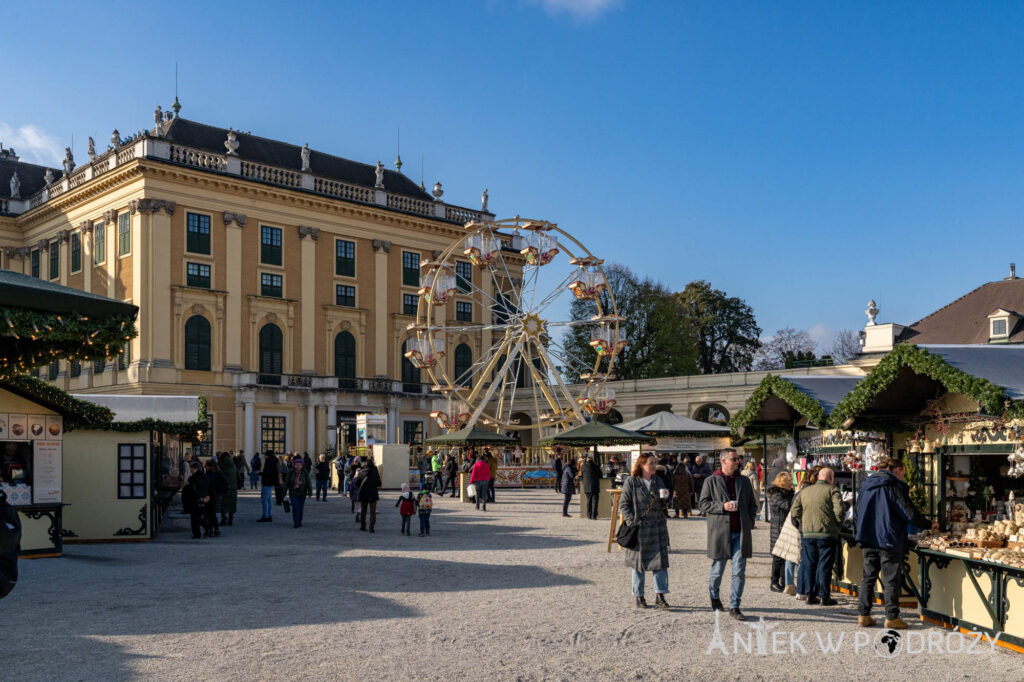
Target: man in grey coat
727 499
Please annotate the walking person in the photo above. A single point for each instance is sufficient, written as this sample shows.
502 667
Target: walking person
492 467
283 467
437 467
727 500
700 473
229 499
479 476
353 485
298 486
567 486
406 504
369 484
818 512
591 478
682 490
558 466
255 469
883 511
424 504
242 466
644 497
451 475
803 579
323 477
218 488
269 479
195 500
779 500
750 471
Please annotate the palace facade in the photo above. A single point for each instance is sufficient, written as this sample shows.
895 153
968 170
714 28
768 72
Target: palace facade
275 280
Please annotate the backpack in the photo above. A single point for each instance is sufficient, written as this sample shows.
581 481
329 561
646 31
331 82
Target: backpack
426 502
10 546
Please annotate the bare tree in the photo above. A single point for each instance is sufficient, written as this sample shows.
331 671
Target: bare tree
845 347
786 342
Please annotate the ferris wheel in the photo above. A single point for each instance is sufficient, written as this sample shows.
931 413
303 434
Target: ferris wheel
501 268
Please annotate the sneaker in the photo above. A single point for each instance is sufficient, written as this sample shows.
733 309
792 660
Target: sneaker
716 605
828 601
801 597
737 614
866 621
776 588
790 590
813 601
896 624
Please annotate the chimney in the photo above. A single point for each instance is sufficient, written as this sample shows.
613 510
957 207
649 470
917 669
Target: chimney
1013 271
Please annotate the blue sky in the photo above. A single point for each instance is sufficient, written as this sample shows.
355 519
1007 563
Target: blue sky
803 156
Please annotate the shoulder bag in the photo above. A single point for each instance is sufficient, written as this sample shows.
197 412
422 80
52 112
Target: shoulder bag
628 534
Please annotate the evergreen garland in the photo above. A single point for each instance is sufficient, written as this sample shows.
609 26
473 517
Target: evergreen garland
30 339
779 387
918 497
990 397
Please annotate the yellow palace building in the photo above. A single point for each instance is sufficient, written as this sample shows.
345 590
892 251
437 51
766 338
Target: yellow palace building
275 280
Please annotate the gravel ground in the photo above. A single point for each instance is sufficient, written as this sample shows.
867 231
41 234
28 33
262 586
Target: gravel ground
517 592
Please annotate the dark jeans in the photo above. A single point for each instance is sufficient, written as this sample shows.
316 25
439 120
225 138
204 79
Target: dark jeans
363 506
297 504
490 490
279 494
322 485
452 481
406 522
592 500
887 565
778 571
817 555
565 503
200 519
425 522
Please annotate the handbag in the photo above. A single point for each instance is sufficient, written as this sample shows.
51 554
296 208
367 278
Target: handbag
628 535
471 490
287 505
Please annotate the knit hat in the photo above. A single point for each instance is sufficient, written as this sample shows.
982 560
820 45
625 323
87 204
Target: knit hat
405 487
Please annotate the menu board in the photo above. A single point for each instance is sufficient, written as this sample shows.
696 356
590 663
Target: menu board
31 426
47 472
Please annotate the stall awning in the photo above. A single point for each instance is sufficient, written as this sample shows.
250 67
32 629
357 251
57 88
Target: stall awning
597 433
666 424
781 401
906 379
471 436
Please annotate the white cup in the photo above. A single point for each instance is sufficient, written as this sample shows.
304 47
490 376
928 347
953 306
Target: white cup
664 493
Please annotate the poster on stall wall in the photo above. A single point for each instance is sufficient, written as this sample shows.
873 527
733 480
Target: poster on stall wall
36 426
54 427
18 424
46 472
4 427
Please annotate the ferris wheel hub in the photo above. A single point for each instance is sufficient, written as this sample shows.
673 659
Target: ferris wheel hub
533 326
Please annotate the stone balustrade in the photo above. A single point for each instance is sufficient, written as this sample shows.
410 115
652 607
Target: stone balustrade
156 148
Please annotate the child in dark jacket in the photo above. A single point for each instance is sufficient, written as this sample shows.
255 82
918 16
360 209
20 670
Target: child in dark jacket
406 507
424 502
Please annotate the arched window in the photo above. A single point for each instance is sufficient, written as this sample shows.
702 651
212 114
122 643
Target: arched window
197 343
463 363
271 353
410 375
345 359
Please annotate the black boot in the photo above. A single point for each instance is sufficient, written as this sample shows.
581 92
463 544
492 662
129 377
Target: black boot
716 605
231 519
641 603
659 601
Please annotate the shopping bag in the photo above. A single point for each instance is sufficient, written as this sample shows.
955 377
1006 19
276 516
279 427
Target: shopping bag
471 491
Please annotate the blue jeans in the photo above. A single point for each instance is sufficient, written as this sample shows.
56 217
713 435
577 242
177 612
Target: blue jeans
297 504
267 499
406 522
739 570
816 558
424 522
790 570
254 480
321 485
660 582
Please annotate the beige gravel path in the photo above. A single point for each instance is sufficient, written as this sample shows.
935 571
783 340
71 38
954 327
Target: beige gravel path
516 593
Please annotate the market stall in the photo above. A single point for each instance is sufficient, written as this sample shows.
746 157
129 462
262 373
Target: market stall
680 436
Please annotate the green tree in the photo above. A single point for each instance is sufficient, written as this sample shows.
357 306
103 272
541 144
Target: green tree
659 344
724 328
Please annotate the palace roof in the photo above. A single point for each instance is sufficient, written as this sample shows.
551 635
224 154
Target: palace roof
966 321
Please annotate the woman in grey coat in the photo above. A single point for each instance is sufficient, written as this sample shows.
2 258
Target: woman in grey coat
643 500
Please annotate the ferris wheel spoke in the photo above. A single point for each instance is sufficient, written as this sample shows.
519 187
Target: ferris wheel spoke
561 384
542 385
469 328
570 358
494 384
511 281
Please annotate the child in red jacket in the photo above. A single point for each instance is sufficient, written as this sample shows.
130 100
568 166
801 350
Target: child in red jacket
406 507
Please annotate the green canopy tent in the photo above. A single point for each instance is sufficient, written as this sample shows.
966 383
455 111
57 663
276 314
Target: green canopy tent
469 437
41 322
667 425
595 433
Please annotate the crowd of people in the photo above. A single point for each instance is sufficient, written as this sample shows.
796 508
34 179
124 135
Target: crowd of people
805 526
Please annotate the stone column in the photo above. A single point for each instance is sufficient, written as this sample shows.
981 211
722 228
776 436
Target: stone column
247 399
311 428
308 237
332 419
233 223
381 250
